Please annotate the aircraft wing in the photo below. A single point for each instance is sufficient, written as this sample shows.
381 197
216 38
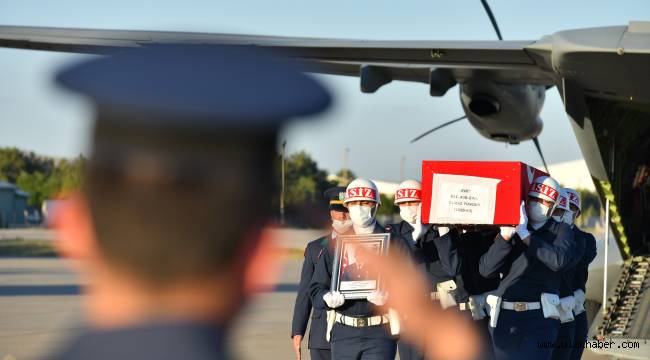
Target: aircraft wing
606 62
440 63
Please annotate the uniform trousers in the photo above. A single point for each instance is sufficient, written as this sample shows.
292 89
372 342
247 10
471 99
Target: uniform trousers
368 343
483 328
524 335
408 351
565 341
320 354
580 335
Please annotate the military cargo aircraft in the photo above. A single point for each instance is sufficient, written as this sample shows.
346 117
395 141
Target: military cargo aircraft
602 75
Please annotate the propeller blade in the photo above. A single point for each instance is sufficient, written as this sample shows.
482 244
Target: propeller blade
438 128
492 19
539 150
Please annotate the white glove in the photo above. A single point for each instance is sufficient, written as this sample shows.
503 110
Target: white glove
507 232
522 228
443 230
334 299
377 297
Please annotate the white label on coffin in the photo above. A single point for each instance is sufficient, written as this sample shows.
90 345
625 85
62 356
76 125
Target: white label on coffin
458 199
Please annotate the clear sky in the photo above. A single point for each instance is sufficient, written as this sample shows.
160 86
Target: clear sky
35 115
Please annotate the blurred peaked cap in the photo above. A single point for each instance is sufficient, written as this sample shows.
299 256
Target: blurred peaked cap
335 193
334 197
202 87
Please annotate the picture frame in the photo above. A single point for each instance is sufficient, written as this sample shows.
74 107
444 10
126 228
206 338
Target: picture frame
348 274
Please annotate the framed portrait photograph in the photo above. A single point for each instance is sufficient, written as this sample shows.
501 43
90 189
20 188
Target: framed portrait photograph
350 276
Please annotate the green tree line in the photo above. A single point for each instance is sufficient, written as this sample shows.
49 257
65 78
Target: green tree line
305 183
590 205
42 177
45 177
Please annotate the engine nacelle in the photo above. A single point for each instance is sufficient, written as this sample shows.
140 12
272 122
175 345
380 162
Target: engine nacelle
502 112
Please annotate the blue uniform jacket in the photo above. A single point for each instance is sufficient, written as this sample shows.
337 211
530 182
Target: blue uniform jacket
582 268
530 270
320 285
303 307
471 246
437 255
577 252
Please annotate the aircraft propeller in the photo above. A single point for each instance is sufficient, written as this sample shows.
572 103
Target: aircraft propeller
539 150
492 19
438 128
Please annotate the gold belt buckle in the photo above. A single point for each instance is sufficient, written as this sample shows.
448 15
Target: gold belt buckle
520 306
361 322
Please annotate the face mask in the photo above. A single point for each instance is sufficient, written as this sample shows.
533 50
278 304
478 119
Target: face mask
341 226
361 215
537 212
566 218
409 213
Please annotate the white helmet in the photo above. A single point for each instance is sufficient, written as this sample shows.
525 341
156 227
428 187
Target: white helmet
563 202
574 198
408 190
545 188
362 190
